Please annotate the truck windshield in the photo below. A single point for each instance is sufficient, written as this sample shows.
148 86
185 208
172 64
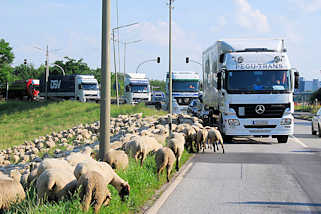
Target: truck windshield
139 88
185 85
89 86
258 81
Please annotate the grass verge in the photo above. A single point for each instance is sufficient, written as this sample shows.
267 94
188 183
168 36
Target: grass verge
143 182
20 121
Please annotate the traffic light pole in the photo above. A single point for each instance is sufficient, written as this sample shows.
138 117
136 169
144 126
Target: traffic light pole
170 68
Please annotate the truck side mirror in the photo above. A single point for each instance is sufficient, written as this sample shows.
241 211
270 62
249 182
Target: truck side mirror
222 56
79 86
296 79
219 81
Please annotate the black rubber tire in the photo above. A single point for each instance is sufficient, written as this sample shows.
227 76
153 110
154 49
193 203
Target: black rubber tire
312 131
319 129
282 138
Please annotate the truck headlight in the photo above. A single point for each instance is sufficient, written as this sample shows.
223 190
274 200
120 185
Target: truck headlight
233 122
286 121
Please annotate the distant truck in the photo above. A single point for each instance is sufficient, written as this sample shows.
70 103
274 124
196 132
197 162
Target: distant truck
21 88
79 87
137 88
248 87
185 89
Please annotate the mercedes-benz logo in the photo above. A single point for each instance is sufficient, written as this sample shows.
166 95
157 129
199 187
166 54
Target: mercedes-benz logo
259 109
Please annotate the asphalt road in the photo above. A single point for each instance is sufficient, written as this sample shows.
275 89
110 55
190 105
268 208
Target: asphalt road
253 176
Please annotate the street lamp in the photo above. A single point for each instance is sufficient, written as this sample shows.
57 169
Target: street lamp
125 45
63 71
150 60
170 67
113 37
190 60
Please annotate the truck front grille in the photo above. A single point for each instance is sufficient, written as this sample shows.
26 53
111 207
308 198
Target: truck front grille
271 110
184 100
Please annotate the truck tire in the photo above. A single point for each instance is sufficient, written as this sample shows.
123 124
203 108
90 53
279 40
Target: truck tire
282 138
312 130
319 129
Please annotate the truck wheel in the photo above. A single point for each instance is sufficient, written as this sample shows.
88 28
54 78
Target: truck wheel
313 132
282 138
319 129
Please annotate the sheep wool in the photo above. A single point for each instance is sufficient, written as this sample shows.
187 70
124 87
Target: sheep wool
117 159
177 146
11 191
164 157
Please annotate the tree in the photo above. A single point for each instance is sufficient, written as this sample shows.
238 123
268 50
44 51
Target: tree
70 66
24 72
158 84
6 58
316 95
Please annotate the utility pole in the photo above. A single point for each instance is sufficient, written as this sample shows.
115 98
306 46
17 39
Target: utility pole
170 68
104 144
47 72
116 76
117 89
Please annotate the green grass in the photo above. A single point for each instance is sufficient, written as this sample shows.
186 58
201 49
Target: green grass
143 184
307 108
20 121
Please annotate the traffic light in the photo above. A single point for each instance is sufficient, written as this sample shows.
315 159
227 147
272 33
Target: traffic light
158 59
187 59
25 61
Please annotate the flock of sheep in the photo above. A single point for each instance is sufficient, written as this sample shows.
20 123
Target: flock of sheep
58 178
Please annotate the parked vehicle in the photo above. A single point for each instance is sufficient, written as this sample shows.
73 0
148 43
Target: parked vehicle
316 123
185 89
137 88
249 85
194 108
22 88
80 87
204 115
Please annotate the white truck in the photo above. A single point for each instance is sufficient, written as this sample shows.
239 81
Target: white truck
185 89
137 88
80 87
248 87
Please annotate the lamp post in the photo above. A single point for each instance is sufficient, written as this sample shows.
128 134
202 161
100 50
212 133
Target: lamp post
125 45
63 71
170 68
104 144
150 60
113 35
194 61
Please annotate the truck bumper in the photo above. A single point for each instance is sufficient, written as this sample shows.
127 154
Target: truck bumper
258 126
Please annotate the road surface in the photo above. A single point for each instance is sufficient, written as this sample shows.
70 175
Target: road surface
254 176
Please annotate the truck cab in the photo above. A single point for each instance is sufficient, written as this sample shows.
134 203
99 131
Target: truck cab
186 86
86 88
137 88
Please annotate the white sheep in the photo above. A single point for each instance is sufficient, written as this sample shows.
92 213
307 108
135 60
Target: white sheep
201 139
107 172
93 190
55 184
176 144
117 159
215 137
11 191
76 157
164 157
53 163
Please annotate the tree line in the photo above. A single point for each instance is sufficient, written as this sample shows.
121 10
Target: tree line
9 73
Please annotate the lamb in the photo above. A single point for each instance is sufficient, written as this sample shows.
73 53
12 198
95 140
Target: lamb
117 159
141 146
214 136
176 144
164 157
201 139
55 184
107 172
93 188
11 191
53 163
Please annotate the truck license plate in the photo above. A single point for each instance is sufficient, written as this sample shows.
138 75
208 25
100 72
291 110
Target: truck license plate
260 122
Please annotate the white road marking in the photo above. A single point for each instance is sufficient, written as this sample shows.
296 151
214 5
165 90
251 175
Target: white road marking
161 200
299 142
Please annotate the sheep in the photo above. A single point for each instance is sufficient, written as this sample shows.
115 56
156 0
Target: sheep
53 163
74 158
93 188
164 157
141 146
201 139
214 136
117 159
176 144
190 137
55 183
11 191
107 172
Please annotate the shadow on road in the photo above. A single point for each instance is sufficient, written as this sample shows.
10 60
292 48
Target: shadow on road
249 141
307 136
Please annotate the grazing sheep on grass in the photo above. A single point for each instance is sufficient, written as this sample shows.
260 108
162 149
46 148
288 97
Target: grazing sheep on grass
107 172
55 184
53 163
117 159
74 158
11 191
93 189
214 136
164 157
176 144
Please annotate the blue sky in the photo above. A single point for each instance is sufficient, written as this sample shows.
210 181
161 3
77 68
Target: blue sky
74 27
